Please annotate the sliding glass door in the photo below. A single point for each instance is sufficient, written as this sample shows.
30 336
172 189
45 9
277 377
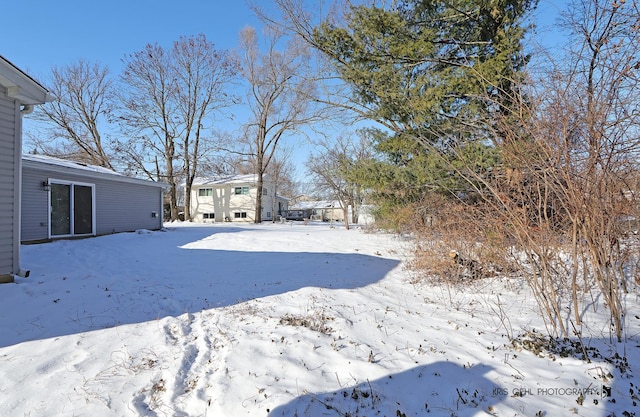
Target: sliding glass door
72 209
82 210
60 209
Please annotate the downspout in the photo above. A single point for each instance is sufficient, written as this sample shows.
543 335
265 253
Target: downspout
26 109
23 273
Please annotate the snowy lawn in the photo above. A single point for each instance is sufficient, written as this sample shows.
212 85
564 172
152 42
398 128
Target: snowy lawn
287 320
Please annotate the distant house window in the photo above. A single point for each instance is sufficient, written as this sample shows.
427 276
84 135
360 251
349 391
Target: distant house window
205 192
208 215
265 191
240 215
242 191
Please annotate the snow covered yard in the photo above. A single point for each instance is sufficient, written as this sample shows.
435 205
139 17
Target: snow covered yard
287 320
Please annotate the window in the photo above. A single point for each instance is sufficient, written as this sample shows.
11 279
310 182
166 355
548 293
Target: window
240 215
208 215
241 191
265 191
205 192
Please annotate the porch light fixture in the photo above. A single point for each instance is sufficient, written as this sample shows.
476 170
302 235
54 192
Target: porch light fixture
46 186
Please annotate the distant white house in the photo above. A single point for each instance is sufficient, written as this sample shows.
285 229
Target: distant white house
233 199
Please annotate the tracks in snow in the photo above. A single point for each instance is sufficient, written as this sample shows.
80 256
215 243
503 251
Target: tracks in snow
197 349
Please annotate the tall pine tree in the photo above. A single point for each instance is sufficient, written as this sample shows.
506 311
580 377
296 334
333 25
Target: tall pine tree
437 75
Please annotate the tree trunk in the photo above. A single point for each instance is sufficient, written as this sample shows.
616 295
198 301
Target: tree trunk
173 198
345 211
187 200
275 201
258 216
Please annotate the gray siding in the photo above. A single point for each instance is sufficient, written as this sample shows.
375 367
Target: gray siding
120 206
9 149
35 210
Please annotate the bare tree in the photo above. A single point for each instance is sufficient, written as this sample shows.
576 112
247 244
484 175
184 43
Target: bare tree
83 102
278 98
281 172
569 163
602 139
303 19
216 164
167 105
334 171
204 76
147 116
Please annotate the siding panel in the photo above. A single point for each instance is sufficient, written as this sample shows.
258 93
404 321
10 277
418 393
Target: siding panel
8 149
127 207
35 210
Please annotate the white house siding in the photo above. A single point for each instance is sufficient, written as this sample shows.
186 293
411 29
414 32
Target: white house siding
243 204
224 203
202 205
121 204
9 183
267 205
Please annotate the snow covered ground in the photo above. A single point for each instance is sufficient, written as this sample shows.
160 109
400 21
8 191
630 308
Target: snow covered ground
286 320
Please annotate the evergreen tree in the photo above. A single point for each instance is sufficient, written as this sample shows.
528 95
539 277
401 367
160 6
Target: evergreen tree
438 72
437 75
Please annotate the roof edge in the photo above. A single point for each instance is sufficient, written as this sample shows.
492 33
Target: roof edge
92 174
22 86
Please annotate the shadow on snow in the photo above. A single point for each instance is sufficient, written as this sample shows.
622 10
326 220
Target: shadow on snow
83 285
441 388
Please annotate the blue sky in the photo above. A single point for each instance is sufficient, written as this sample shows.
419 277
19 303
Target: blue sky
41 34
38 34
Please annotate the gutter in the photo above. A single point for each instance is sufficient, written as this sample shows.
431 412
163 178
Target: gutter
26 109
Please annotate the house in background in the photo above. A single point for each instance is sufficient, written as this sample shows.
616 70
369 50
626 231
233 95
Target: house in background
233 199
18 95
317 210
314 209
306 207
63 199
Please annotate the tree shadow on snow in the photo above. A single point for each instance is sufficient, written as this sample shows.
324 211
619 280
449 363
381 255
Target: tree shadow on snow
91 284
439 389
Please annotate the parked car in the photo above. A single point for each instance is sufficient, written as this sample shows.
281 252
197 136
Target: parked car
297 214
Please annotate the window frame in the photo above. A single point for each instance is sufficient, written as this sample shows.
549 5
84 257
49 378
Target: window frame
205 192
241 190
